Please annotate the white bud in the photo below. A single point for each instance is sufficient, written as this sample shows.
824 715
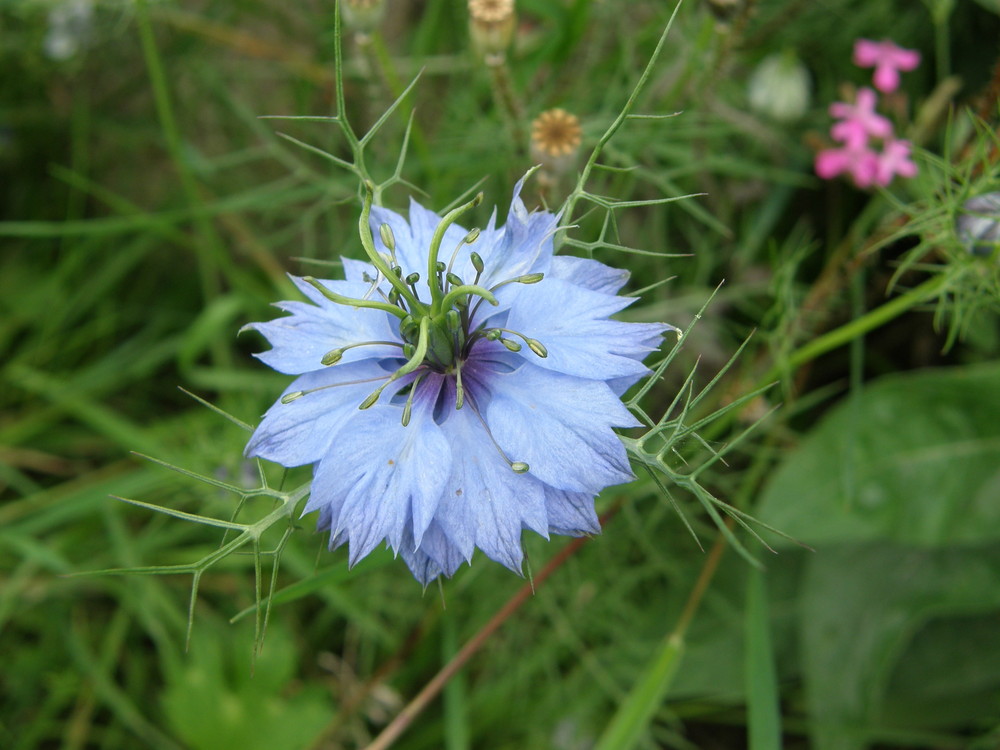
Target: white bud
779 87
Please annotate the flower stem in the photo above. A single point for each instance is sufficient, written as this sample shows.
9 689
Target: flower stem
507 102
868 322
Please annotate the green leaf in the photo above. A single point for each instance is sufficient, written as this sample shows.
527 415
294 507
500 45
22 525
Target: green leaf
861 608
913 459
212 700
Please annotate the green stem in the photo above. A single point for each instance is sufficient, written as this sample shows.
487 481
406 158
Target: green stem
579 191
849 331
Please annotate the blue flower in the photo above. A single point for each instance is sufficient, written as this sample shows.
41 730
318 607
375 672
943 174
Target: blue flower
457 388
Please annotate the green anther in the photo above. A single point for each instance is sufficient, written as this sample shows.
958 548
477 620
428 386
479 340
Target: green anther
289 397
472 236
530 278
477 262
332 357
459 389
408 406
511 345
393 297
537 347
371 399
454 279
453 320
439 267
398 271
413 278
385 232
408 350
519 467
493 334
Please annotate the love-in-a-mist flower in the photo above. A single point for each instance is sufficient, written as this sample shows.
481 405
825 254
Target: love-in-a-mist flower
978 224
887 59
457 388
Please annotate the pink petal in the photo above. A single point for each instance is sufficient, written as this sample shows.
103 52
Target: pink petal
886 78
905 59
866 53
852 133
831 162
865 169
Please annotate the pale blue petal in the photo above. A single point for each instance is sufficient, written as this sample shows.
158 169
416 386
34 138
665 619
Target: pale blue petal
561 426
485 504
300 432
588 273
358 270
437 555
421 564
523 246
571 513
300 340
572 323
379 475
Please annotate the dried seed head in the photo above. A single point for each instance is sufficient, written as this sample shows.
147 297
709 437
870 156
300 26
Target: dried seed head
491 11
555 139
491 26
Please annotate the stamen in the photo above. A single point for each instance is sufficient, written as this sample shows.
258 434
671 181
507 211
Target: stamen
411 364
408 407
388 239
471 237
459 388
518 467
477 263
528 278
333 356
295 395
494 334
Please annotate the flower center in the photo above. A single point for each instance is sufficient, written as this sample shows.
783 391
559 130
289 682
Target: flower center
436 335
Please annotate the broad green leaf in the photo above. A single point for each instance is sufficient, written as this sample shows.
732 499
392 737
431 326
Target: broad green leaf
912 459
861 608
212 700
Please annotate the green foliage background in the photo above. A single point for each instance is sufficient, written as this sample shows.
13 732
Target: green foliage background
147 212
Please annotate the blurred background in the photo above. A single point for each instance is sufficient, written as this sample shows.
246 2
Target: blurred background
147 212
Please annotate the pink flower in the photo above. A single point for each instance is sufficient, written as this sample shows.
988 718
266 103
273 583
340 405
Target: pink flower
887 59
894 159
859 120
861 163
